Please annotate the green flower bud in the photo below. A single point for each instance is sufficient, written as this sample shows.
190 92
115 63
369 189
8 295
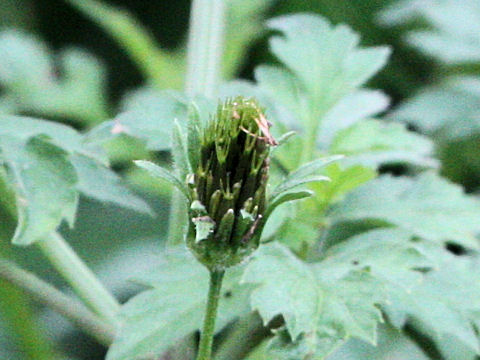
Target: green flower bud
228 187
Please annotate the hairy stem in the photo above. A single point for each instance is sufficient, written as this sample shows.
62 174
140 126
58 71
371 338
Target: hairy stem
42 291
83 281
204 54
206 338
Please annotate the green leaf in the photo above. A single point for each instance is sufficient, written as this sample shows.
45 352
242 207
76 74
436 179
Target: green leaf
180 152
304 175
98 182
325 61
351 109
392 344
286 286
286 197
44 182
315 305
428 206
373 143
24 128
454 27
194 125
448 111
164 174
444 305
148 115
158 318
27 73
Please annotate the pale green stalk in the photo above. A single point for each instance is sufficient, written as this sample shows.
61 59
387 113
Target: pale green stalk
60 302
80 277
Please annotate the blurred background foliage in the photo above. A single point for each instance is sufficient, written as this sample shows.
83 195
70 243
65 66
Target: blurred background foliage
416 78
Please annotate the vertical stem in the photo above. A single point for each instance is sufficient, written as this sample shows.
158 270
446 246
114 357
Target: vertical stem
206 339
205 47
204 56
80 277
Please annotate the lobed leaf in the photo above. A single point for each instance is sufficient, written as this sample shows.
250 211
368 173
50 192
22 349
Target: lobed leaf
174 307
428 206
44 182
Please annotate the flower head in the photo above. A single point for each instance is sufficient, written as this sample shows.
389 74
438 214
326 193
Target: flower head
229 182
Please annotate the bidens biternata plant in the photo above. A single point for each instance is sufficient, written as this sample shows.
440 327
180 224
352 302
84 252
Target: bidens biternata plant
222 171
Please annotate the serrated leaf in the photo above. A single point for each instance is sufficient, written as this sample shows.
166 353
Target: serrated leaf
392 344
448 111
449 39
444 304
351 109
286 286
148 115
157 318
44 182
325 61
373 143
164 174
28 74
428 206
100 183
315 305
67 138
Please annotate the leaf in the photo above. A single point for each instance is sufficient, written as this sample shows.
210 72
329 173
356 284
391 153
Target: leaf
180 152
164 174
24 128
448 39
428 206
351 109
448 111
286 286
158 318
194 126
148 115
373 143
286 197
44 182
325 63
27 73
98 182
304 175
392 344
444 305
321 308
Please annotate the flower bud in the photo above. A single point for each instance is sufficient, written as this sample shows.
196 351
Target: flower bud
228 186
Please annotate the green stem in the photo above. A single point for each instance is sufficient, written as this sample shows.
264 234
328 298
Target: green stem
80 277
204 55
60 302
206 339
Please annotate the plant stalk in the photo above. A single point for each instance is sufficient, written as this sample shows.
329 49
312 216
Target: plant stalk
204 56
206 338
83 281
45 293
